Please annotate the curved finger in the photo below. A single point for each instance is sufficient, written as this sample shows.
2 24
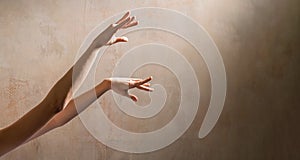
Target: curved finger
131 19
120 39
134 23
136 79
123 18
130 23
146 84
121 24
143 81
145 88
133 97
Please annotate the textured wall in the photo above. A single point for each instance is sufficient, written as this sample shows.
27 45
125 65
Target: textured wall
258 40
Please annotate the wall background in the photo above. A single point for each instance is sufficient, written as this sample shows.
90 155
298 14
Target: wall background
259 41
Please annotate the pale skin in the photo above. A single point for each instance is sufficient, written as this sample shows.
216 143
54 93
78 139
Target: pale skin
58 107
79 104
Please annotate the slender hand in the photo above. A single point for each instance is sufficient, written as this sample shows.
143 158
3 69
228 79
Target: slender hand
122 85
107 37
118 85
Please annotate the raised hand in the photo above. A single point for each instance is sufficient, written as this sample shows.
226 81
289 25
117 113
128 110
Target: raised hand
107 37
122 85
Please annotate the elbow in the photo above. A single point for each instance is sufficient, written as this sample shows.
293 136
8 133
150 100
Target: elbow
54 103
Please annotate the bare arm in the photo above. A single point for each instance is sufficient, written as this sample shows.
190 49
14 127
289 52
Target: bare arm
106 37
120 86
18 132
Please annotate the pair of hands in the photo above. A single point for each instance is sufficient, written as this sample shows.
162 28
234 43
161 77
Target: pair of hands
107 37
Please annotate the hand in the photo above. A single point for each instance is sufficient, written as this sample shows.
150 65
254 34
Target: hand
122 85
107 37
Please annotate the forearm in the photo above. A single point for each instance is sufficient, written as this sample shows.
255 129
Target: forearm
82 67
73 78
74 107
18 132
15 134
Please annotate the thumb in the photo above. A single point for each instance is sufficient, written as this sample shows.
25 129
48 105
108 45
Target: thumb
121 39
114 40
133 97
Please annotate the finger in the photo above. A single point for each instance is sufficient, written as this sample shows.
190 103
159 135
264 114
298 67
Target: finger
133 97
123 18
121 24
134 23
131 19
132 85
143 81
146 84
145 88
131 22
120 39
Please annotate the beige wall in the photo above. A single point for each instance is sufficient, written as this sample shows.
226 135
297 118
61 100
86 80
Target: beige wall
259 42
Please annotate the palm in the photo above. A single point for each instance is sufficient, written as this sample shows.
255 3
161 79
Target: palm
107 37
122 85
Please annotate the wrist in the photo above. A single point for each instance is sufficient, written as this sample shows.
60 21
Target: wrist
102 87
107 83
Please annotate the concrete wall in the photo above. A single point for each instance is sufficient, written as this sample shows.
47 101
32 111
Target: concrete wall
258 40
